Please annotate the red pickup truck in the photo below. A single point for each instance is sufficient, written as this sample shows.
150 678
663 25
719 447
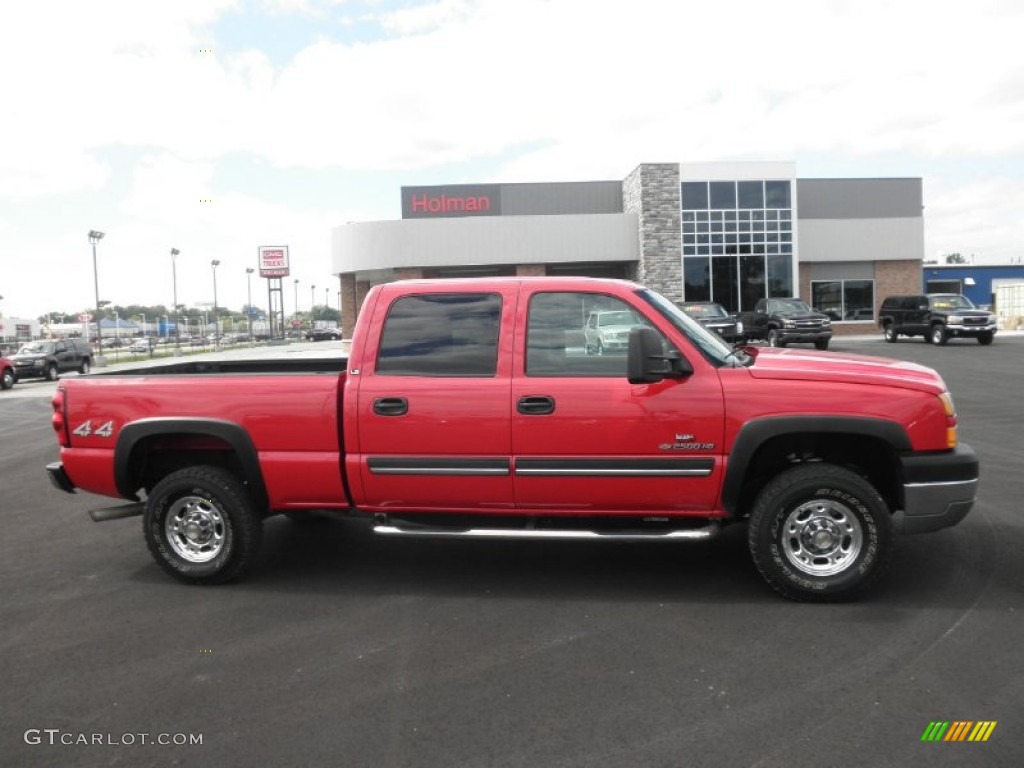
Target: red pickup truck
476 408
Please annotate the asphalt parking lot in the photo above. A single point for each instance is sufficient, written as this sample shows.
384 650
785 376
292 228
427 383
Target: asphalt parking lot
348 650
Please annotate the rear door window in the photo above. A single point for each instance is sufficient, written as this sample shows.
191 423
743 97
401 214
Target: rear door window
441 334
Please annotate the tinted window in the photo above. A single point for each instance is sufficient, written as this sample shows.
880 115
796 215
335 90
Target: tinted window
441 334
751 194
578 334
723 194
695 195
776 194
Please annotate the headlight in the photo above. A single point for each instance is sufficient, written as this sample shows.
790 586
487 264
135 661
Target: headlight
825 323
788 324
954 320
739 327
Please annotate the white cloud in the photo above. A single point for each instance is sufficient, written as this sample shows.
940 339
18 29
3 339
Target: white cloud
561 89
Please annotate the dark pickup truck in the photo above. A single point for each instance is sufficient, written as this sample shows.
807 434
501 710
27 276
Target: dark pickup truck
787 321
937 317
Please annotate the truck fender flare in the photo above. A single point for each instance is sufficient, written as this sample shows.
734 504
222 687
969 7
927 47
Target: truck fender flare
754 434
231 433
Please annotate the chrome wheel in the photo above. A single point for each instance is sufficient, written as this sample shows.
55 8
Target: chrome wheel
822 538
195 529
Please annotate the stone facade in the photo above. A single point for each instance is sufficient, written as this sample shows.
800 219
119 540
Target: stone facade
652 192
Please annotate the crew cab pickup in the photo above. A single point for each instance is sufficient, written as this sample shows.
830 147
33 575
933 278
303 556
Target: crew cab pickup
786 321
473 408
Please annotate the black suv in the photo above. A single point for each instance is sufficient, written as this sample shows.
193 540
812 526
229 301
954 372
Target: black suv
48 359
937 317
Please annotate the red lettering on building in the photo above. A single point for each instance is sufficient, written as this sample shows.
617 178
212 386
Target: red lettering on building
444 204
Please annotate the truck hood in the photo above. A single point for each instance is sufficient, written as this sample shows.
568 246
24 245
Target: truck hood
801 365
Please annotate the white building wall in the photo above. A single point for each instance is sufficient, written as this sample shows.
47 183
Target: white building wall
835 240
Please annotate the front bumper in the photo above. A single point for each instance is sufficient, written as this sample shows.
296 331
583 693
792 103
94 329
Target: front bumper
938 489
798 335
970 331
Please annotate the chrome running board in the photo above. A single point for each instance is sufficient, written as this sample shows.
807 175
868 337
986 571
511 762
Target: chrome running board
540 534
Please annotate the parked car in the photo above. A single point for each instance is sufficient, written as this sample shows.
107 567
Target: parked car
7 377
323 334
141 346
715 317
937 317
49 359
609 331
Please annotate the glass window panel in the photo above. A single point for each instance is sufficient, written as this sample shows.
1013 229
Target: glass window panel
723 194
696 279
730 226
703 250
724 279
716 226
780 276
751 282
729 215
689 239
858 299
441 334
695 195
689 216
827 297
578 334
702 215
716 238
689 250
704 238
757 215
751 194
776 194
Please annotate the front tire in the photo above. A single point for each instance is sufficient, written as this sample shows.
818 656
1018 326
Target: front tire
821 344
890 334
84 368
937 335
820 533
51 372
201 526
7 379
775 339
986 338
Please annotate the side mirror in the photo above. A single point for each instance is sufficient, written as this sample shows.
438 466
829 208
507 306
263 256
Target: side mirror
647 362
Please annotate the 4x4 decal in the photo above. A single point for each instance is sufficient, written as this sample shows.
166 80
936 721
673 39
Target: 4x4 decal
85 429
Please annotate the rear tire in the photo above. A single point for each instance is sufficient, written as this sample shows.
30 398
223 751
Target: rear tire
820 533
7 379
51 372
84 367
201 526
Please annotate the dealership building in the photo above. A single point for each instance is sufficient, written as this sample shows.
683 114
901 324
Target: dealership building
726 232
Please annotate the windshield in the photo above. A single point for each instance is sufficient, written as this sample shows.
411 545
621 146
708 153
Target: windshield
705 311
616 318
709 343
36 348
787 305
950 302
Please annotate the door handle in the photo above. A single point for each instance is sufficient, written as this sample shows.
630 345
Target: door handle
391 406
536 405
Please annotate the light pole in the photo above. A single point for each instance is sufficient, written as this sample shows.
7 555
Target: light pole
143 324
296 300
216 325
94 237
312 301
117 335
174 282
248 308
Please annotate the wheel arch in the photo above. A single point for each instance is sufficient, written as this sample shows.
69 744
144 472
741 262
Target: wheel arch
764 447
150 449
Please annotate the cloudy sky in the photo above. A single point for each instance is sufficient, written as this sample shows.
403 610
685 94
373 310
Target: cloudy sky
215 126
